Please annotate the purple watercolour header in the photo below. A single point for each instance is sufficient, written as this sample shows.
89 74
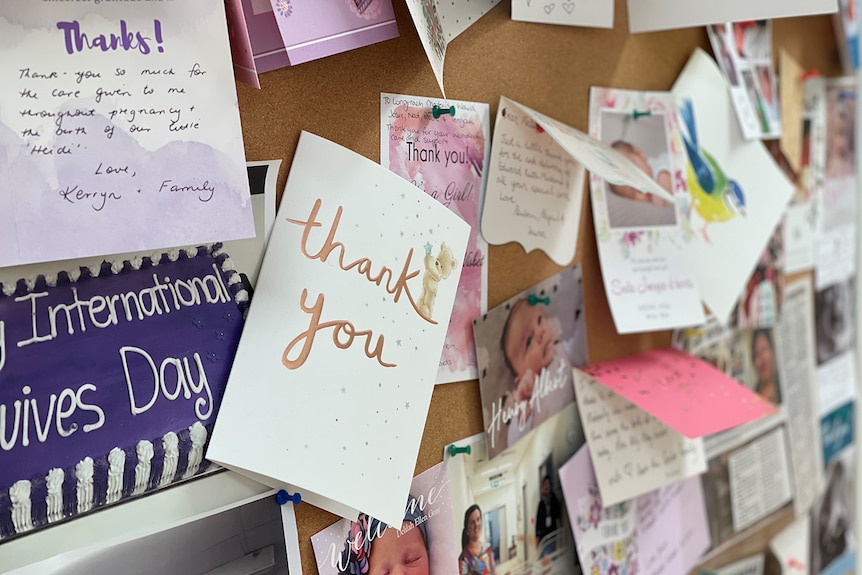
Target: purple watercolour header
128 40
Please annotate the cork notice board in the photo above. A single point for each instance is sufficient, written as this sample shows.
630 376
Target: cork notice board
548 68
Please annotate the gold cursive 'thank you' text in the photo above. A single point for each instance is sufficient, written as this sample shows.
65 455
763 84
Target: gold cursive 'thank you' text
385 277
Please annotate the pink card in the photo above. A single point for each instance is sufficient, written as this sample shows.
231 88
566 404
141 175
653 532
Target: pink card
684 392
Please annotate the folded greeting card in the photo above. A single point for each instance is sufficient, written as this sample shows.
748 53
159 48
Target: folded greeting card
423 542
744 51
448 158
664 531
639 235
509 511
651 15
536 180
120 130
526 348
632 451
439 22
682 391
241 51
736 193
290 32
591 14
335 370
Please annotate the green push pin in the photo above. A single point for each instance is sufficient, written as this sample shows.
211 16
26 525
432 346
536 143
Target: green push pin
437 111
533 299
453 450
638 114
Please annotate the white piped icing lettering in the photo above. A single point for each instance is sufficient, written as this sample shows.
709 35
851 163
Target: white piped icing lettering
116 467
19 494
84 491
54 482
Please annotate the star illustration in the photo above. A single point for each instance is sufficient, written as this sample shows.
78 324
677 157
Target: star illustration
428 248
398 342
402 196
430 231
344 448
406 405
343 390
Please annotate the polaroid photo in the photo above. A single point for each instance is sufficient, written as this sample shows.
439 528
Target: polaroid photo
743 51
510 511
526 348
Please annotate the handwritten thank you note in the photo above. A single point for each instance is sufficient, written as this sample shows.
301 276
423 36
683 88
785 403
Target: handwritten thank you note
120 129
632 451
447 157
335 369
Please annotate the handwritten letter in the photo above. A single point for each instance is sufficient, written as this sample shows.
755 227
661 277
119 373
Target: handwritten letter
535 188
121 130
632 451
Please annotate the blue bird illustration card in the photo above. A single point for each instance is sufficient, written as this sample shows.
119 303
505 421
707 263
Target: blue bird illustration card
736 191
336 366
638 234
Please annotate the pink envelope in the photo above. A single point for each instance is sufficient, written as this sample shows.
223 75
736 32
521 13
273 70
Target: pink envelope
684 392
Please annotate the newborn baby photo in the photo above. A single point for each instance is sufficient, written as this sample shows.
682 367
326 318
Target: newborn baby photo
644 142
526 348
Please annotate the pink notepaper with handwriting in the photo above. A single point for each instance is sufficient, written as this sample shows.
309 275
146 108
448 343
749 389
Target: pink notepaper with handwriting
684 392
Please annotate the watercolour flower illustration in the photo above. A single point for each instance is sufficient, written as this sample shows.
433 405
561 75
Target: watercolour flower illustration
631 239
595 513
284 8
619 551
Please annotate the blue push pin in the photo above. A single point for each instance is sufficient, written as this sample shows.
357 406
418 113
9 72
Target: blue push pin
283 497
638 114
533 299
453 450
437 111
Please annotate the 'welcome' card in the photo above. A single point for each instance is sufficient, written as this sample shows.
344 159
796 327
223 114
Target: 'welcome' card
334 373
119 129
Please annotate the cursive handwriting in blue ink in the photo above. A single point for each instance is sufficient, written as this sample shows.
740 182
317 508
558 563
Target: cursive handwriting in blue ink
78 41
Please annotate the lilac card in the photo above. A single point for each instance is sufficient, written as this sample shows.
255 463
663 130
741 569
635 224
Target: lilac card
664 531
452 170
312 30
119 128
266 43
241 50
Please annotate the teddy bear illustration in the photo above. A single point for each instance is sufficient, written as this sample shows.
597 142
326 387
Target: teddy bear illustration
436 269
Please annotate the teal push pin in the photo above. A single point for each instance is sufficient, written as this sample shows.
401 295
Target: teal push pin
283 497
453 450
533 299
437 111
638 114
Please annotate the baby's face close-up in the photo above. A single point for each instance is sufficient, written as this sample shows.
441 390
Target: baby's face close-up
399 555
530 339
